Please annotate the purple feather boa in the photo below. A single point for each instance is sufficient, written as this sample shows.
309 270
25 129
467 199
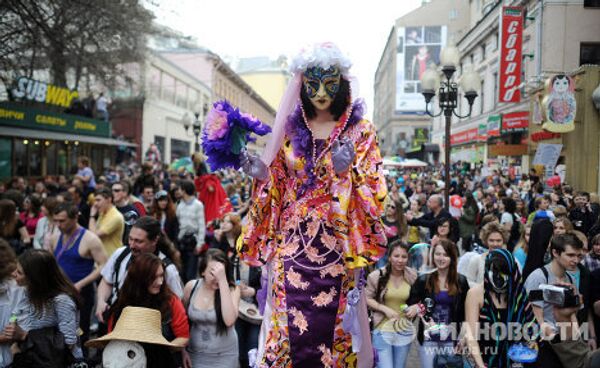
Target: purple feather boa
301 139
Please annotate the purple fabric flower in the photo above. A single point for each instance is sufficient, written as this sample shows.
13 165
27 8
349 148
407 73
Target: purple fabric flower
226 133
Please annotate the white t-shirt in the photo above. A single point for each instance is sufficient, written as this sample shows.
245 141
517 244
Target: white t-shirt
108 273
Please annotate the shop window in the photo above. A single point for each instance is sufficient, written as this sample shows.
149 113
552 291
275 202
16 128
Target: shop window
35 158
50 154
20 154
179 149
61 158
5 158
589 53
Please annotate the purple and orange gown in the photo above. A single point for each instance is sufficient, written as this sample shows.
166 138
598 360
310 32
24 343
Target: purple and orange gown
312 229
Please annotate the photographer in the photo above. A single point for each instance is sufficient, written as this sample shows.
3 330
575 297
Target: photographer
570 348
566 250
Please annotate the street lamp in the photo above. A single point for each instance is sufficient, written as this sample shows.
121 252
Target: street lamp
448 99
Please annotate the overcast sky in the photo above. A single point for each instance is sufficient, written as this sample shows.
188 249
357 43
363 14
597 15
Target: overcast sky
246 28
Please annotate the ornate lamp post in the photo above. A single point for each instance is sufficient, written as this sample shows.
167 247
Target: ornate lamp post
447 93
199 112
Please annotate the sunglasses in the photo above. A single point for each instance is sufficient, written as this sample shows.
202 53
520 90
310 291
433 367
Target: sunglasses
117 190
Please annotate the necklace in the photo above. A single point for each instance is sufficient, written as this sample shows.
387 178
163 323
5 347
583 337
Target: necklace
336 132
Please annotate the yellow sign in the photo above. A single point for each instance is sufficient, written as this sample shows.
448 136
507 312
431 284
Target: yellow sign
34 90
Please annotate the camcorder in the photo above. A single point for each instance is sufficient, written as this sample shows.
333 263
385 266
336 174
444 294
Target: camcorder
558 295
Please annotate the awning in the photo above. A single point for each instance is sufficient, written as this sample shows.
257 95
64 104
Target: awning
54 136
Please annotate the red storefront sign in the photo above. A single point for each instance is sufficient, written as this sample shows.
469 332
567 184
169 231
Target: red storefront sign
515 121
510 53
544 136
467 136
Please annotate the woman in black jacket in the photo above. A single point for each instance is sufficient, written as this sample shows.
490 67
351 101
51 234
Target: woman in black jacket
439 299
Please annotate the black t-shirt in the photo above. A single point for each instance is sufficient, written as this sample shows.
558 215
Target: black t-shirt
14 238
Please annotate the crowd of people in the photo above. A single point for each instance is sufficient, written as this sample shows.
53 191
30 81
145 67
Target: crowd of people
74 255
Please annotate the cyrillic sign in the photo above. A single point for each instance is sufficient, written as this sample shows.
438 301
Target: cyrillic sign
511 25
26 117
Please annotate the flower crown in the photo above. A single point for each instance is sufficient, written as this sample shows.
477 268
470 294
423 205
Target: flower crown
325 55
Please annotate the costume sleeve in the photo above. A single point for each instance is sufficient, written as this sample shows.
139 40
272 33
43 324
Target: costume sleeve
179 320
366 234
259 234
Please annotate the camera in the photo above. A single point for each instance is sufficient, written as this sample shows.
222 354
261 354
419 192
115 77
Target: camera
557 295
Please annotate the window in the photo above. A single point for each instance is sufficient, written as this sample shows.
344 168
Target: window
50 151
482 97
20 155
179 149
589 53
495 88
160 144
591 3
483 52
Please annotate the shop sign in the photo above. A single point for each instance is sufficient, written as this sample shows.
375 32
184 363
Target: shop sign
544 136
467 136
560 104
510 53
507 150
482 133
33 90
493 126
12 114
515 121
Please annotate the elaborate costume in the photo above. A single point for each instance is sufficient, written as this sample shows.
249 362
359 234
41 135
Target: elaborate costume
315 223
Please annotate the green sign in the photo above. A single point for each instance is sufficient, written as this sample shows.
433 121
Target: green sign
12 114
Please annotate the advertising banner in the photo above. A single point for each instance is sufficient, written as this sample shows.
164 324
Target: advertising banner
467 136
416 49
493 126
482 134
511 25
517 121
421 136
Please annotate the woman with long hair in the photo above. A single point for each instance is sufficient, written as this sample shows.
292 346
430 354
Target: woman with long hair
541 233
50 314
394 225
163 209
439 298
467 223
32 213
212 304
501 299
10 296
12 228
145 287
387 291
522 247
46 229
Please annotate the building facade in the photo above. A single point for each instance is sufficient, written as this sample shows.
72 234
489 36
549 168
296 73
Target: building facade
267 77
413 44
558 37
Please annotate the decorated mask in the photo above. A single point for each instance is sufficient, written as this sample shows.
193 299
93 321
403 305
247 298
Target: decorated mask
321 85
123 354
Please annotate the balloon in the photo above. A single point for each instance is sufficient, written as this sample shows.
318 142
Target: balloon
456 201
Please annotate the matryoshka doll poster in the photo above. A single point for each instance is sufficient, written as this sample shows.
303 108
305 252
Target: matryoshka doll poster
560 104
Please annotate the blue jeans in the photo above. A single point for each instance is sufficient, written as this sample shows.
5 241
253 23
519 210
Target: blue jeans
389 354
430 349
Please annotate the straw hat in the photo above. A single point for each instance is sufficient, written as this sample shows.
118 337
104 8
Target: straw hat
138 325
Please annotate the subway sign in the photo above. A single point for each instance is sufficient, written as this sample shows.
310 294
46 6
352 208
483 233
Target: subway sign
11 114
33 90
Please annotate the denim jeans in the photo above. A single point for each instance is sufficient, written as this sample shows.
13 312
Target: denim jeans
430 349
389 353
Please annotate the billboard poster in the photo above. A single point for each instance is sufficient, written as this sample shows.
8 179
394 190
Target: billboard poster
493 126
417 48
511 25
